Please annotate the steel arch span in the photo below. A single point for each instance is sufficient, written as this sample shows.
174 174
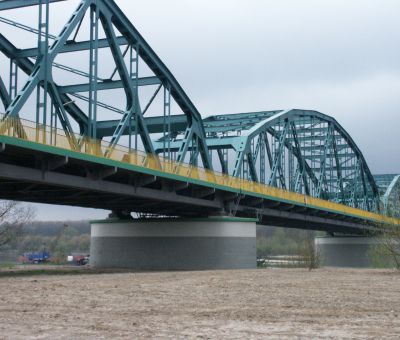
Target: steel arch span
303 151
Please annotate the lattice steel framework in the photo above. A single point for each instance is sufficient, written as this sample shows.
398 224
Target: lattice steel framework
298 150
78 104
389 187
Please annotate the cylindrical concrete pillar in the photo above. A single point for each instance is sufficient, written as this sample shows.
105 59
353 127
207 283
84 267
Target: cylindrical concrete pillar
348 251
174 244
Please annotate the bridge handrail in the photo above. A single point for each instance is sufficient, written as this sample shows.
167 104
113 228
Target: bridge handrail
50 136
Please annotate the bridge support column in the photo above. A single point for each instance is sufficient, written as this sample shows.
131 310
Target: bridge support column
174 244
345 251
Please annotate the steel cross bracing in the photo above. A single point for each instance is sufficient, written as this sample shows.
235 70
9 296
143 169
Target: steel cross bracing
389 187
327 162
299 150
109 29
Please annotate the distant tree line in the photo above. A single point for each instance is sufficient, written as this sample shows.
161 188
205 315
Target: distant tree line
52 228
59 238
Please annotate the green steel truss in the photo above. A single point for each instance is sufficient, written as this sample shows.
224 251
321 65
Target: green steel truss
389 188
77 104
299 150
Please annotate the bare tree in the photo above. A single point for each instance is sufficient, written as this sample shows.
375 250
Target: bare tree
309 252
13 215
388 248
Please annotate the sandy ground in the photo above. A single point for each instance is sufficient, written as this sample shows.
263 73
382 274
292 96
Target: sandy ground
265 303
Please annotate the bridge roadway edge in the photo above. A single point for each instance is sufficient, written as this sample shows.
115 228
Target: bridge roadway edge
108 162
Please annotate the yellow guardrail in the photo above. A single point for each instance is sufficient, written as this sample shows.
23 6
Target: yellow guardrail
30 131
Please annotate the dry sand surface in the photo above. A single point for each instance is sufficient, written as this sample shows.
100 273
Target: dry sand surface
268 303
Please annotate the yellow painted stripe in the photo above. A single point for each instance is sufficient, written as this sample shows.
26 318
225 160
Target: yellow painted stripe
27 130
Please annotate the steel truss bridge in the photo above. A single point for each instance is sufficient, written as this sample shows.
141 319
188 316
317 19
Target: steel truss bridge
93 118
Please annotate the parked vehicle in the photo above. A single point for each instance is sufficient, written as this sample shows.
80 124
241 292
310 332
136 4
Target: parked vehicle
78 259
35 257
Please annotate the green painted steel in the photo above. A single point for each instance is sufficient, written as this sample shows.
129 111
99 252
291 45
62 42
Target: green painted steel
112 19
308 152
303 151
389 187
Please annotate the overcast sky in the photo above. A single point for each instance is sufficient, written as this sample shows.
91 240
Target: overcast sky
340 57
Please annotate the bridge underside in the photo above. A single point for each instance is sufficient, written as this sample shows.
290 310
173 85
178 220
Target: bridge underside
46 177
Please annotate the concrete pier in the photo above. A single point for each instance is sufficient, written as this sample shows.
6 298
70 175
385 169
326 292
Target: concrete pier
174 244
348 251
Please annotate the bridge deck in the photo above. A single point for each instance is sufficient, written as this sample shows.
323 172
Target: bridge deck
24 134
